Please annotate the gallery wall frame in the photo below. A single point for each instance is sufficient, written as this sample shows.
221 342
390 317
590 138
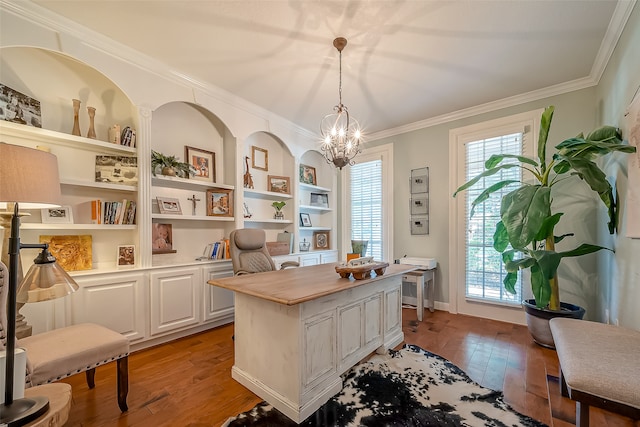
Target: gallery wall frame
279 184
259 158
220 202
308 175
203 161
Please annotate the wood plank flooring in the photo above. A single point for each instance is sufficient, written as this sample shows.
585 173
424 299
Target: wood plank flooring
188 382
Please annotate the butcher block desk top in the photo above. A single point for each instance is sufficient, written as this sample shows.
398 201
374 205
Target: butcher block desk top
297 285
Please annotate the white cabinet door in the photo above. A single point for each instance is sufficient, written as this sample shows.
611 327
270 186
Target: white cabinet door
318 350
309 259
116 301
328 257
174 299
218 302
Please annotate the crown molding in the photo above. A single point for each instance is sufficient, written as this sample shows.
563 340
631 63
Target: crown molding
45 18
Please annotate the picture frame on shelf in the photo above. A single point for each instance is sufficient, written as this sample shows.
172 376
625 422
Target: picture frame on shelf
259 158
17 107
72 252
305 219
320 200
203 161
169 205
117 169
126 256
220 202
308 175
162 238
60 215
321 240
278 184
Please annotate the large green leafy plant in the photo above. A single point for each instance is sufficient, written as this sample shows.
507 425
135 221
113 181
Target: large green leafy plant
525 235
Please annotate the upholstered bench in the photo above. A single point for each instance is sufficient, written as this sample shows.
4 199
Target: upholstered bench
599 366
67 351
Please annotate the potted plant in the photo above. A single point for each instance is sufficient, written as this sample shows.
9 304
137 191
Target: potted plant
525 235
278 207
170 165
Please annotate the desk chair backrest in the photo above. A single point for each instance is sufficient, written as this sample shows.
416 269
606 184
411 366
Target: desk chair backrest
249 252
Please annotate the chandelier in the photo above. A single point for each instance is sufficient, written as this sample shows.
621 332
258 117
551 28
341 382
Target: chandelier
341 133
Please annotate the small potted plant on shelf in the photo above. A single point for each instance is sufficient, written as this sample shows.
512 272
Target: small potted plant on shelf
525 235
170 165
278 207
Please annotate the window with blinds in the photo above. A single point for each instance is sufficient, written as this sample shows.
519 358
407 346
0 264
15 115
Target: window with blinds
366 205
484 269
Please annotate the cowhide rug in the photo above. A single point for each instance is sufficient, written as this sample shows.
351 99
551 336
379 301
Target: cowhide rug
409 387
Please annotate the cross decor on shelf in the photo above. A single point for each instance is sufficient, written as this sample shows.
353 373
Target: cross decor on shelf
193 202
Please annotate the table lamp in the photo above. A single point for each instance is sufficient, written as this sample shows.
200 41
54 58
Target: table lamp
28 178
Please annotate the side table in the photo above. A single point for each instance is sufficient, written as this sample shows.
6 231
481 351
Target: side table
423 279
59 395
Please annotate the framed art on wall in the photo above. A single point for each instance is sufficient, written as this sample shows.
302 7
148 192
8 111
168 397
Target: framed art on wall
73 252
126 256
220 202
162 238
19 108
203 161
321 240
278 184
259 158
61 215
308 175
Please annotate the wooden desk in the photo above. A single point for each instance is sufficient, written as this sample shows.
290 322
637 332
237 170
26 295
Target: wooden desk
297 330
59 395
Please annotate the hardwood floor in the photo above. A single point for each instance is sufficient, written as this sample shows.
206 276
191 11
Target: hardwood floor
188 382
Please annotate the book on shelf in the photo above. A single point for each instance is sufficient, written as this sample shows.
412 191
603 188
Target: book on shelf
216 250
113 212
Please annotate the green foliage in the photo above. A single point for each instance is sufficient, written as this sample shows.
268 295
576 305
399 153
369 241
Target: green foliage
278 205
525 235
160 160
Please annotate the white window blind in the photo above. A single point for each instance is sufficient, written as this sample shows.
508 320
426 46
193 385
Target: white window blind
484 268
366 205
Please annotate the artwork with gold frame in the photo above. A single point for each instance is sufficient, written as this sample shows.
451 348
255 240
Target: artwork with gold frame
278 184
321 240
220 202
204 163
73 252
259 158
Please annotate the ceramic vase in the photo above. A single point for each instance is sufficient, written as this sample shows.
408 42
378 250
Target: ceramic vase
91 133
76 120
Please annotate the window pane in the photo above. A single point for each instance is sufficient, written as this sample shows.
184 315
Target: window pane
484 269
366 205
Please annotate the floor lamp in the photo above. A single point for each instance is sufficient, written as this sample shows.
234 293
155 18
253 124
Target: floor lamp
28 178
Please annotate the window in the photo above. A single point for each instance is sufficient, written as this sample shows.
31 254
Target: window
476 276
368 202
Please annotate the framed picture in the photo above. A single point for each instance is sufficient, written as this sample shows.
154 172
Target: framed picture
419 180
305 220
220 202
321 240
320 200
126 256
61 215
19 108
117 169
278 184
168 205
203 161
162 238
420 205
259 158
73 252
308 175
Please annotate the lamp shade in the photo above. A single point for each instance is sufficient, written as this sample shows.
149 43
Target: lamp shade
45 282
28 177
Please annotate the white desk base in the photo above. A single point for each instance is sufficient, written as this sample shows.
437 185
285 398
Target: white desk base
422 278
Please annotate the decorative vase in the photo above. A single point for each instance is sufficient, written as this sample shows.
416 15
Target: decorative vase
168 171
359 247
92 130
278 215
76 120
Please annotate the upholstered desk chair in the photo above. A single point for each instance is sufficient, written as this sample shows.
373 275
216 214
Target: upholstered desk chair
60 353
249 252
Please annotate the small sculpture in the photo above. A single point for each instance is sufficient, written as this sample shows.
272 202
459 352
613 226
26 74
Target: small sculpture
248 180
76 120
91 133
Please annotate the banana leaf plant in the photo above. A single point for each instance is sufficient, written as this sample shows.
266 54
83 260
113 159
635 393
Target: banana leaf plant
525 235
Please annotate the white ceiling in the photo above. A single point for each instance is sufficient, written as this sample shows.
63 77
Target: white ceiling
405 62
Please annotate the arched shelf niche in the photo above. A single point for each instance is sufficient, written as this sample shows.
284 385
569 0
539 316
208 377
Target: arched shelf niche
175 128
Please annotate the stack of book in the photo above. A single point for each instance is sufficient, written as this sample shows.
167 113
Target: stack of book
123 212
217 250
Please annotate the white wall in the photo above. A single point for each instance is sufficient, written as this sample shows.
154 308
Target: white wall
620 273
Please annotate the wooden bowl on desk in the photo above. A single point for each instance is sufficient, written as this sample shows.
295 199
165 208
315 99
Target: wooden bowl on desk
361 272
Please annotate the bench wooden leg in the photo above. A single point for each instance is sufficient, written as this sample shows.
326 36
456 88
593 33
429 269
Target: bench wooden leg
582 414
91 377
564 391
123 383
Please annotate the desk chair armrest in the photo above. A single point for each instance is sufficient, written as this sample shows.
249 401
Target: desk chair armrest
287 264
